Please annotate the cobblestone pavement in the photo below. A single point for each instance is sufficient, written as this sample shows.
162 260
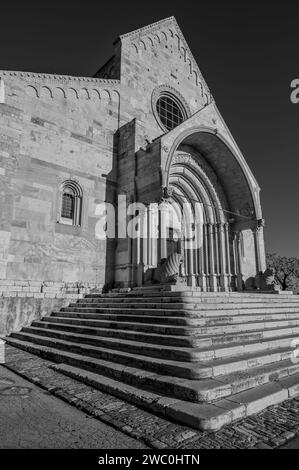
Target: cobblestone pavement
32 418
266 430
293 444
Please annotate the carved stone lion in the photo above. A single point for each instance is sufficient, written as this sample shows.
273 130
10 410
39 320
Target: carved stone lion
169 269
266 280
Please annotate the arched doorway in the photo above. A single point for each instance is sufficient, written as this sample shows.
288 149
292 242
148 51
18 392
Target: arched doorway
196 166
205 241
201 166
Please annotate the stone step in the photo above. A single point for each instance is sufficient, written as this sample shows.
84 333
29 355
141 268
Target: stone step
165 366
201 296
209 303
191 370
171 320
199 391
136 335
206 352
171 340
204 390
179 309
148 349
204 416
213 296
172 329
188 320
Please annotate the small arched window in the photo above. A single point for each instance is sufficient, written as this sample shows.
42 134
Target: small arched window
71 203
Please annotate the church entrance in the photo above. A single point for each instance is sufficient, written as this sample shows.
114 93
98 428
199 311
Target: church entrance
202 233
208 213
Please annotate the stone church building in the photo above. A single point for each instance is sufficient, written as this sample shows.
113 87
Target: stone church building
146 124
178 327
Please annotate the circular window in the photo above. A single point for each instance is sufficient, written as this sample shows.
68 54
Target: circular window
169 112
168 108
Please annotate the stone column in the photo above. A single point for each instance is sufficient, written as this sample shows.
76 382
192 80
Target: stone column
206 257
227 247
222 255
217 253
213 279
200 258
239 262
143 244
189 255
163 209
196 254
152 231
258 235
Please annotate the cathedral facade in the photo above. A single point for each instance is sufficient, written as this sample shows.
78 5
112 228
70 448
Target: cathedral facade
146 128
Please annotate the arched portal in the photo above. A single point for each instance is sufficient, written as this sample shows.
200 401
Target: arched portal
202 167
205 244
222 240
229 167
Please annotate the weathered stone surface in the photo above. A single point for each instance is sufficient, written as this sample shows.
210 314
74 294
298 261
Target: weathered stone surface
105 136
203 385
265 430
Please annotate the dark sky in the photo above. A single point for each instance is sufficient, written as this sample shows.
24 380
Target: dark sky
247 52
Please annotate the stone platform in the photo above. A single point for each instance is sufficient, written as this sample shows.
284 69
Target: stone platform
201 359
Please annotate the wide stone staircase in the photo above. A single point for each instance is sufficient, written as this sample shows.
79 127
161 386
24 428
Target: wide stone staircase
201 359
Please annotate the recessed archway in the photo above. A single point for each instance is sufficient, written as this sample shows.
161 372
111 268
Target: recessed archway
231 170
201 166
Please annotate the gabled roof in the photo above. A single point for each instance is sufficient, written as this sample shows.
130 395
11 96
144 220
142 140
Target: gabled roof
151 28
167 24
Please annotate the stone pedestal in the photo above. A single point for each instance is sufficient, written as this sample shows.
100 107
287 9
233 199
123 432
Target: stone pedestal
2 351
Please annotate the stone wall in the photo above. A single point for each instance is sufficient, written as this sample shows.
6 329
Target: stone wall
22 308
154 57
54 129
21 302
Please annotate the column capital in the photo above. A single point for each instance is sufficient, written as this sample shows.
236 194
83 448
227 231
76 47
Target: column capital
221 225
260 224
167 192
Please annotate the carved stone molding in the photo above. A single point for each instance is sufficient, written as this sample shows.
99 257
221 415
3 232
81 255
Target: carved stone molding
58 78
163 90
167 192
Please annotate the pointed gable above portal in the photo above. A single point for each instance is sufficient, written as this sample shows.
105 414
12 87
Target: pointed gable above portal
168 32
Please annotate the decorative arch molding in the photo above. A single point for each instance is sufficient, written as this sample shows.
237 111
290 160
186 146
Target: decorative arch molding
202 138
59 93
72 185
202 167
159 90
185 191
175 95
45 93
185 168
73 93
206 254
70 203
32 91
